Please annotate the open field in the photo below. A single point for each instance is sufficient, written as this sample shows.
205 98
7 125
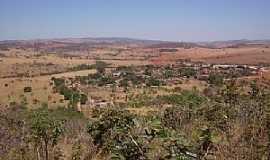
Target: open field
12 89
219 56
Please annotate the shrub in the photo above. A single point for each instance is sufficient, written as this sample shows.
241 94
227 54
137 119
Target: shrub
124 83
168 73
58 82
187 72
119 121
83 99
113 132
176 117
153 82
215 79
100 66
186 99
82 67
27 89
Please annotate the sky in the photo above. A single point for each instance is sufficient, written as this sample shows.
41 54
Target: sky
175 20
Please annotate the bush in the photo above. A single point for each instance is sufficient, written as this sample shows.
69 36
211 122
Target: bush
82 67
105 80
100 66
186 99
187 72
110 120
215 79
84 99
176 117
168 73
27 89
124 83
58 82
153 82
112 131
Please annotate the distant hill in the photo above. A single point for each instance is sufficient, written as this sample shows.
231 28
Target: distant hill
113 41
234 43
72 44
175 45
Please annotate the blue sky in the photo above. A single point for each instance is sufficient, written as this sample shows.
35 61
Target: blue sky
178 20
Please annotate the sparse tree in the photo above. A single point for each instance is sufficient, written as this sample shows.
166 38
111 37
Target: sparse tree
45 130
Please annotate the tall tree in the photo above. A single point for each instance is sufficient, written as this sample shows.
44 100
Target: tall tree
45 130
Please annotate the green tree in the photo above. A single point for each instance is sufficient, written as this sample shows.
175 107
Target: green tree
112 131
187 72
153 82
168 73
148 70
45 130
110 120
231 93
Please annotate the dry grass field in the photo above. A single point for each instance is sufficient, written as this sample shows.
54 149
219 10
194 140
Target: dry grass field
219 56
12 89
22 68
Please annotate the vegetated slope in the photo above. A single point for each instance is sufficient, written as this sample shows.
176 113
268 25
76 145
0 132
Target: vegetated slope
129 41
174 45
76 41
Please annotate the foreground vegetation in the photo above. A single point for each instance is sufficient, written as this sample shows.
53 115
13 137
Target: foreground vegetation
230 121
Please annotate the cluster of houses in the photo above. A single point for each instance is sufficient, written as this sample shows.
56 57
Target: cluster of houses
202 73
242 70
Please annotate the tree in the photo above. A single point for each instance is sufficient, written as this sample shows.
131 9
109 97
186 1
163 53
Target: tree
83 99
148 70
215 79
45 130
231 93
153 82
124 83
187 72
254 89
112 132
101 66
175 117
111 119
168 73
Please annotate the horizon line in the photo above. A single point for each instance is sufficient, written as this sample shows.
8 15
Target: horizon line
131 38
